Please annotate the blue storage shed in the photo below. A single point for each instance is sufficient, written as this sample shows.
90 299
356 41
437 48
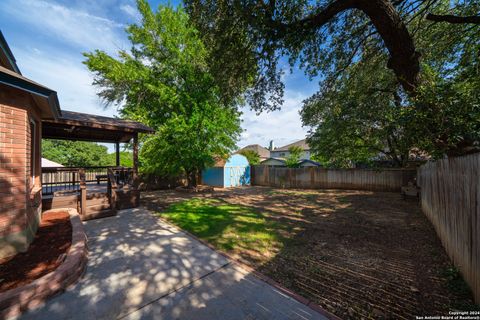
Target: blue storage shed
234 172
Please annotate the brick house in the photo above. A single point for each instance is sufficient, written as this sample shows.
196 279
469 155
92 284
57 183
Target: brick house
23 105
28 110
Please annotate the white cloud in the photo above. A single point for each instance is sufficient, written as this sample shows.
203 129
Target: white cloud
131 11
72 26
64 74
283 126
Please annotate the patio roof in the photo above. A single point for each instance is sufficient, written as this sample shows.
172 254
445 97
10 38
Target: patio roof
88 127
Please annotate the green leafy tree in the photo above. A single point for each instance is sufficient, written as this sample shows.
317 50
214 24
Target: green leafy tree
126 159
293 159
249 37
452 127
165 82
75 153
328 38
189 144
351 124
365 115
252 156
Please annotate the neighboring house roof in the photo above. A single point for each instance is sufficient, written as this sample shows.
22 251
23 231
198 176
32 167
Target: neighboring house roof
279 161
219 162
301 143
262 152
311 162
49 164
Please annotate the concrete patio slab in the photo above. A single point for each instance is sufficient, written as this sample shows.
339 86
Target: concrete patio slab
141 268
229 293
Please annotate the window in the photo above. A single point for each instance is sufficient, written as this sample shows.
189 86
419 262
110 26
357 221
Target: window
33 139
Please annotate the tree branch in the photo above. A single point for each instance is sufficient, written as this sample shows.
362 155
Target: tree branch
453 19
404 60
313 21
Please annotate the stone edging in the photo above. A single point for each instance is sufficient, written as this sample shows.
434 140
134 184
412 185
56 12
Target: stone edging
18 300
312 305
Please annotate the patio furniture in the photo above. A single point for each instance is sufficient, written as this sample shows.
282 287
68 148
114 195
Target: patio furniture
101 177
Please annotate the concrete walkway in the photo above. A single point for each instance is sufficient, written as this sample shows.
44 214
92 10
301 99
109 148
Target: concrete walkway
141 268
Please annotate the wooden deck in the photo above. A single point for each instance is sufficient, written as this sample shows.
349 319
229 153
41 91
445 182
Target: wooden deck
91 188
91 199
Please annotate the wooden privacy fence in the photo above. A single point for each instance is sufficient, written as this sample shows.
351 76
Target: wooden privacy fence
450 198
320 178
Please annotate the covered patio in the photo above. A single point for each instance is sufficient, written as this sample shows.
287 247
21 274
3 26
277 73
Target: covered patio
94 191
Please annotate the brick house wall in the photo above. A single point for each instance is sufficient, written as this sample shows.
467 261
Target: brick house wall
20 185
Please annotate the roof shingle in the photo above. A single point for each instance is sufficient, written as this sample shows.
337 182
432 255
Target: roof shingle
301 143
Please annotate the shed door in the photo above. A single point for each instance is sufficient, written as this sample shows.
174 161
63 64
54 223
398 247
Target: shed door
236 174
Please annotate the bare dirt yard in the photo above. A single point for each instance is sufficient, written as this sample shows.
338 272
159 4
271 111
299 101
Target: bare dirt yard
358 254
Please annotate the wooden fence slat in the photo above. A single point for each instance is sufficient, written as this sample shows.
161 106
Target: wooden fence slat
314 178
450 198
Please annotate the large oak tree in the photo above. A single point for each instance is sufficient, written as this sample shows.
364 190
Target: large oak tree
328 38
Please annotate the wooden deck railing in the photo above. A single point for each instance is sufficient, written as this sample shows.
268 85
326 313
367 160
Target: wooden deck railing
68 178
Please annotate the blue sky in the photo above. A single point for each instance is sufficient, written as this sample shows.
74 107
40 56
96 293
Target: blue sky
48 37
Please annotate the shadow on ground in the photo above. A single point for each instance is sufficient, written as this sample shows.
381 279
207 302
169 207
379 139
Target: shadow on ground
357 254
142 268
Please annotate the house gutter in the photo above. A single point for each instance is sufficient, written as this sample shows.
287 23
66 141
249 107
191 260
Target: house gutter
33 88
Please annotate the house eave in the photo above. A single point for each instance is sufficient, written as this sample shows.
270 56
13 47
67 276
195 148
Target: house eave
7 54
49 96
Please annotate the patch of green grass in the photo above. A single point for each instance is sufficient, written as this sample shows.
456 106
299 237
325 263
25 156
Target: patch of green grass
227 226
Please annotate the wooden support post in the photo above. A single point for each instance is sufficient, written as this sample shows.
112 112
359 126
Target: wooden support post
117 154
135 159
135 170
83 192
112 190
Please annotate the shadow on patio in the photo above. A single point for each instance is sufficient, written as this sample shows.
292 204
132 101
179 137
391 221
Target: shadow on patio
355 253
137 262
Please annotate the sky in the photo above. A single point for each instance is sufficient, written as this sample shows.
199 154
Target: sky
48 38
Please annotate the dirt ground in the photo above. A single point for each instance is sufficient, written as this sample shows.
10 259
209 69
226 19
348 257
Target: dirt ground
358 254
53 238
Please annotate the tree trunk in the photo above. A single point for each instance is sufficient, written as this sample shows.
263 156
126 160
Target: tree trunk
192 178
404 60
